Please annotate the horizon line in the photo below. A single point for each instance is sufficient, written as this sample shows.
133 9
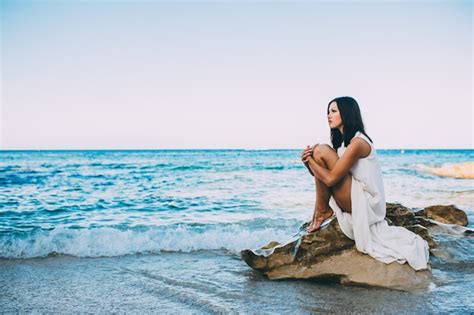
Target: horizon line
215 149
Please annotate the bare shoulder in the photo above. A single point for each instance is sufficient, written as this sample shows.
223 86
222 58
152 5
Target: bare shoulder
360 147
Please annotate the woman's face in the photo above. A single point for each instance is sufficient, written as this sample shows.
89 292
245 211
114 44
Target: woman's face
334 116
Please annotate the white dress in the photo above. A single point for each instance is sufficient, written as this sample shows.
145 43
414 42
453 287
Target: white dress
367 226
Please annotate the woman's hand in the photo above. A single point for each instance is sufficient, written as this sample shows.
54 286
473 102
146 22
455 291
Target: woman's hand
307 153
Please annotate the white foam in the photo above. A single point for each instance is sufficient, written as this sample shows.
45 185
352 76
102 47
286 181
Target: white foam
108 241
460 170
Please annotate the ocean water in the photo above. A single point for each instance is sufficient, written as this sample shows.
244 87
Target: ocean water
123 231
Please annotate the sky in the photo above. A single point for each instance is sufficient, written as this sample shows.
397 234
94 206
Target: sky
233 74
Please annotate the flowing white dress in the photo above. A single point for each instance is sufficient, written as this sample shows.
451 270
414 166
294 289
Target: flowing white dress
367 225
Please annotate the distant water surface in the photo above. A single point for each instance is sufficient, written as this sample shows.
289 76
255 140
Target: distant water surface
151 224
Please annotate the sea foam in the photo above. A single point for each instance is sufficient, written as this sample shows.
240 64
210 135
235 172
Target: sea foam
109 241
460 170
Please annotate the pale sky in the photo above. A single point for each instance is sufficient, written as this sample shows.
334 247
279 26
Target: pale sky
225 74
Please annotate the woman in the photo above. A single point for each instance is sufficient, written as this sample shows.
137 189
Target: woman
349 185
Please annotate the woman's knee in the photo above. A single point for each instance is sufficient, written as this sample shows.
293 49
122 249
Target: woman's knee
322 150
325 155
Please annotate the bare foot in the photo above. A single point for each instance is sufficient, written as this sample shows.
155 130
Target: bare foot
320 218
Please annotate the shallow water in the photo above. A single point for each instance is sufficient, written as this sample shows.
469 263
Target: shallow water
86 231
208 282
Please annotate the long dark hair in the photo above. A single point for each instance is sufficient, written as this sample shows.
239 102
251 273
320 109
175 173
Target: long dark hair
351 120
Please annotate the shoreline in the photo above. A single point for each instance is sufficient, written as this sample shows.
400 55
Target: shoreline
201 282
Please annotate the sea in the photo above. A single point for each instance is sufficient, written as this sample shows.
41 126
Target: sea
160 231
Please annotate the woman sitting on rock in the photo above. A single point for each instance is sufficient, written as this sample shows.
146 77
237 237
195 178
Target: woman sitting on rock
349 185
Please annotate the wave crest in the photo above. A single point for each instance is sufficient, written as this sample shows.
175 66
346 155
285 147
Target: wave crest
108 241
461 170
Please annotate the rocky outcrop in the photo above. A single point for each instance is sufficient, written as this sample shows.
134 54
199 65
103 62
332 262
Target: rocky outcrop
444 214
329 254
436 219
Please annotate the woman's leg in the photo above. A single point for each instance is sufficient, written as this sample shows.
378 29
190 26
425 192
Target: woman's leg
321 211
326 157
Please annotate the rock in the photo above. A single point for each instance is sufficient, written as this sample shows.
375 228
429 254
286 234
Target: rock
329 254
350 267
311 247
444 214
437 219
400 215
460 170
423 232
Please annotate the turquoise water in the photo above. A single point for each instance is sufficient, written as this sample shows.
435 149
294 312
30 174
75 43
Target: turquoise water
76 210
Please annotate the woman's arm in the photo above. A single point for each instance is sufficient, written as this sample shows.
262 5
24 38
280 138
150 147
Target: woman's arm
357 149
309 168
307 152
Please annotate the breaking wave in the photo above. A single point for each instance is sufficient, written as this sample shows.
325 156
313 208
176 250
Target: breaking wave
109 241
460 170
